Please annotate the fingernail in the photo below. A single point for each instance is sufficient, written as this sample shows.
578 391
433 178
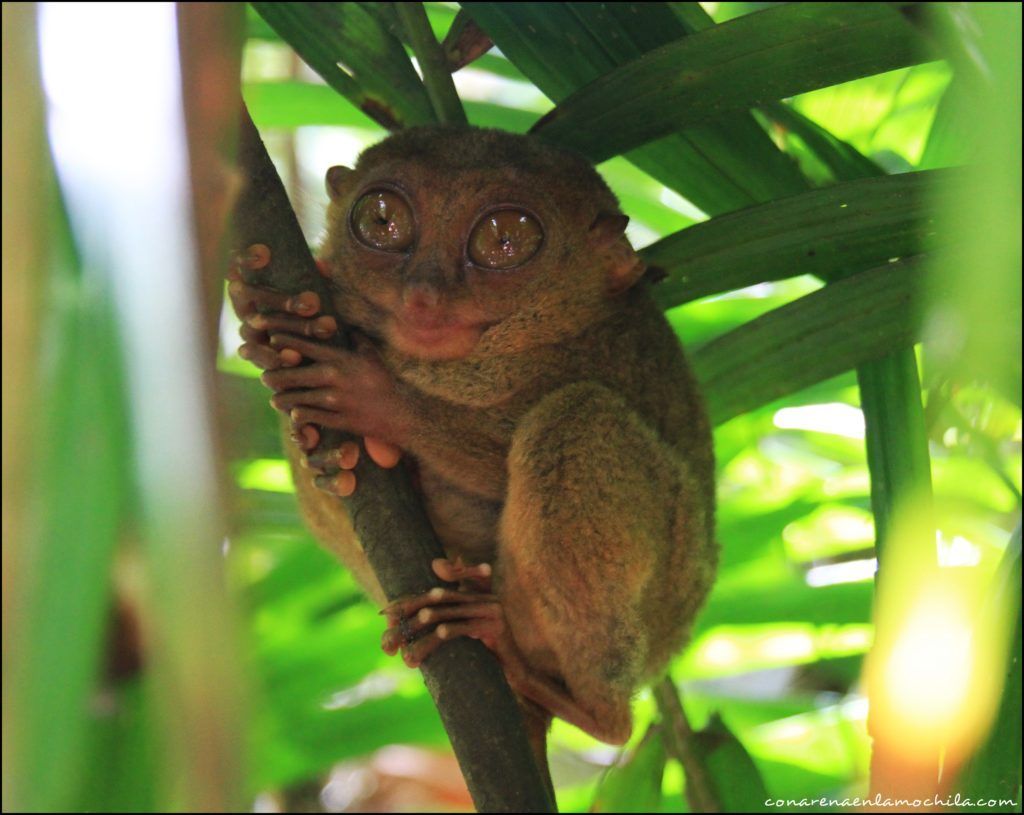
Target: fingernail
258 321
308 437
306 303
324 327
257 256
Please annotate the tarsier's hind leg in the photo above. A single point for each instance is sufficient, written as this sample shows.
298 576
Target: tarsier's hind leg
590 524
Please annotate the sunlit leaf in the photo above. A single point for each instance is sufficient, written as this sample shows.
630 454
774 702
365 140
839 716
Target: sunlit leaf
634 785
816 337
830 233
737 782
564 46
357 56
724 69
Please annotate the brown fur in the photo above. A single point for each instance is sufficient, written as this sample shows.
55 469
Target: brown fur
570 446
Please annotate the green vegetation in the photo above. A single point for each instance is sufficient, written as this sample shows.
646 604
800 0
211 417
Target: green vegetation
834 192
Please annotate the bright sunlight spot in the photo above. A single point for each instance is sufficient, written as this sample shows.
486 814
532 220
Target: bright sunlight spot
269 474
834 417
831 574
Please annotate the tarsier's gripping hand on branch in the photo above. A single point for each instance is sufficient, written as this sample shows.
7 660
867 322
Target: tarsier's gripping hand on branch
506 346
338 388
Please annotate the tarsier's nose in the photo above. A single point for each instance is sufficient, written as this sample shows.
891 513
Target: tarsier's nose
420 298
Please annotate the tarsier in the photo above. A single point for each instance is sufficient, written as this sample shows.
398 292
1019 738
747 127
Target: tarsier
510 351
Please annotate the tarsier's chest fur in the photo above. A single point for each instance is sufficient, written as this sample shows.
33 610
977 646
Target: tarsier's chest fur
624 353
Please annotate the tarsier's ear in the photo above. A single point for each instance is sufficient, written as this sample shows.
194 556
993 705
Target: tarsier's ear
336 181
608 239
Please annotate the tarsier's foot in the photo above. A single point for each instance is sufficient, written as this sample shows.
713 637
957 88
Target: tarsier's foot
417 625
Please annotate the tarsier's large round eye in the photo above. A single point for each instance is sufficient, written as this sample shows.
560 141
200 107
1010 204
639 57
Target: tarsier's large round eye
382 219
505 238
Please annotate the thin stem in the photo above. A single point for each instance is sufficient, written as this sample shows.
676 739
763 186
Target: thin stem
436 77
681 743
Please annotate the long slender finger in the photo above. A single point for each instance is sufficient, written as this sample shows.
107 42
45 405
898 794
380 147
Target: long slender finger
408 606
310 349
321 328
248 299
270 358
317 375
250 334
432 615
343 457
480 629
327 399
415 653
408 629
324 418
260 355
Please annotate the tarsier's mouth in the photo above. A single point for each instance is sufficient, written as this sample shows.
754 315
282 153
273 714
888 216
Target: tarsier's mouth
438 335
434 339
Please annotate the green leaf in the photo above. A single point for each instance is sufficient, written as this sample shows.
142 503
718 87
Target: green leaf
842 160
897 442
562 47
890 389
781 598
885 116
736 779
949 141
816 337
634 785
349 47
291 103
760 58
830 233
61 600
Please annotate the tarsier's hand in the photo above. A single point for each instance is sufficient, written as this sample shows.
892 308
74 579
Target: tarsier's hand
346 390
272 327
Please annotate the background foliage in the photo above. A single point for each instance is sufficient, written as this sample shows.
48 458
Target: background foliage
792 168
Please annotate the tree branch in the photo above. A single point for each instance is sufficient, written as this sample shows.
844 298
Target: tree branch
477 708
